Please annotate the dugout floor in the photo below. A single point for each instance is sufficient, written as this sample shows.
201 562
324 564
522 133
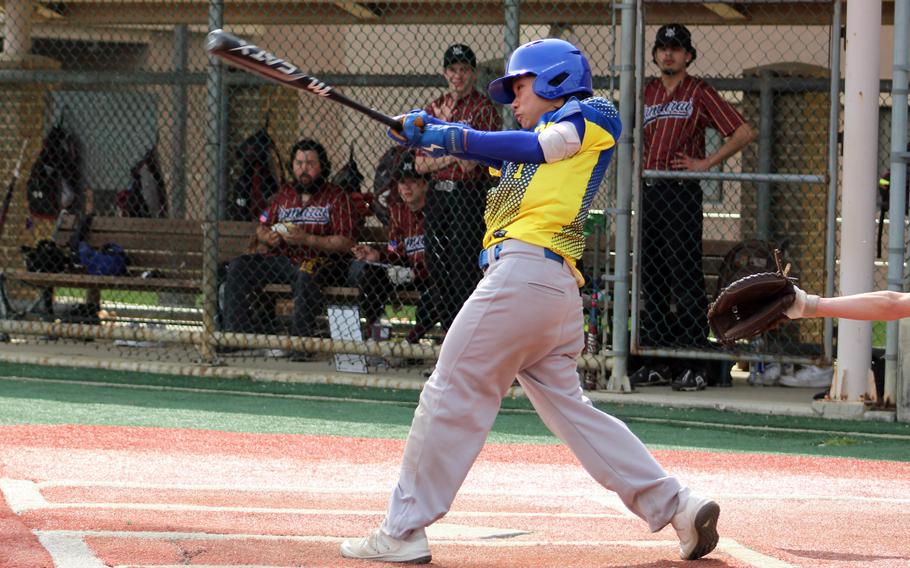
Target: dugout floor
181 360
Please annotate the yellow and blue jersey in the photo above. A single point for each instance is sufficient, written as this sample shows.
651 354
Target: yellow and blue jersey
547 204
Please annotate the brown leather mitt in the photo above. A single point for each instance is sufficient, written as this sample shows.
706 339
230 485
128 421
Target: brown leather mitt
752 305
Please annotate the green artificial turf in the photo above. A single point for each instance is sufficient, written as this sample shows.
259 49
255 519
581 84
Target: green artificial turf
32 394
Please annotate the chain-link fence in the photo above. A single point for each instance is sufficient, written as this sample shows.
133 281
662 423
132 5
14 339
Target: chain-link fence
198 204
754 117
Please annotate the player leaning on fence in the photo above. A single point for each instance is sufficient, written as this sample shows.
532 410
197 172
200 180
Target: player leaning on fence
524 319
678 110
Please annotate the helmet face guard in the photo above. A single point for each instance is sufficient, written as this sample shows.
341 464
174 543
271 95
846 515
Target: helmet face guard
560 68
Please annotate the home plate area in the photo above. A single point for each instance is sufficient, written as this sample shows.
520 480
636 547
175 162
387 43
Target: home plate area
100 525
101 497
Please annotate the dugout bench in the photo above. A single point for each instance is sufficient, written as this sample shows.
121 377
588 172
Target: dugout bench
165 257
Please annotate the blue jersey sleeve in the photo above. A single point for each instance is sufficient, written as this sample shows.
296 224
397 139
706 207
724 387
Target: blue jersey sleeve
518 146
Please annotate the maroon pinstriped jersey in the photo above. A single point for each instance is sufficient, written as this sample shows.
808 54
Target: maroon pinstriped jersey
475 110
406 238
328 212
675 123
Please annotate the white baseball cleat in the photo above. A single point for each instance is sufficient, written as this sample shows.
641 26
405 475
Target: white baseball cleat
383 548
695 522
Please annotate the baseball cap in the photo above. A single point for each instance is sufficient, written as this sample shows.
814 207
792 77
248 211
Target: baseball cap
459 53
675 35
407 167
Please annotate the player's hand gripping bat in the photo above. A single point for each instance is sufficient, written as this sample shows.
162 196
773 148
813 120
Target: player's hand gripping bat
254 59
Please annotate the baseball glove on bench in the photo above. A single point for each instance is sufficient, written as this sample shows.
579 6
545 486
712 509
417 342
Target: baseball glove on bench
752 305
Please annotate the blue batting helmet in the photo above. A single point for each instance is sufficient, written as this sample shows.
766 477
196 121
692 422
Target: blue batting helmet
560 67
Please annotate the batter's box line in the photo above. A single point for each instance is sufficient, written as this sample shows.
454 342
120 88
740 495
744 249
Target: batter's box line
24 495
595 494
69 549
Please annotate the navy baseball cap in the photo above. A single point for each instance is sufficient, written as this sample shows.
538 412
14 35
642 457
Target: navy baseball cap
675 35
407 167
459 53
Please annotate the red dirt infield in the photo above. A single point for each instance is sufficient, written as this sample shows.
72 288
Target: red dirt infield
96 496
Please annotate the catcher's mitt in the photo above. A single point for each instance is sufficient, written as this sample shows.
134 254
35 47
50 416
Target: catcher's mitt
752 305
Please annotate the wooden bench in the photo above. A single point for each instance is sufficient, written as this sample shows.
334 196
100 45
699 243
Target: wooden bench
170 253
165 256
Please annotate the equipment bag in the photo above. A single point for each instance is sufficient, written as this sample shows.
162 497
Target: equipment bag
110 260
46 256
146 195
54 182
256 173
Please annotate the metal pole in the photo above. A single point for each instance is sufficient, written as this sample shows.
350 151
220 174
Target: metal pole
214 136
899 84
733 176
857 238
511 37
619 378
765 141
178 176
637 156
833 127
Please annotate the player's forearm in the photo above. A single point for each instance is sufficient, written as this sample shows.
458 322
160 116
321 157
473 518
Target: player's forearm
736 142
884 305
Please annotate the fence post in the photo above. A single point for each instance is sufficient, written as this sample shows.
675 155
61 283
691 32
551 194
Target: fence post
619 378
181 57
854 343
894 392
833 128
511 37
214 152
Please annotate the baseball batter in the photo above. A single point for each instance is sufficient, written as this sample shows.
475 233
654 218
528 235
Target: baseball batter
524 319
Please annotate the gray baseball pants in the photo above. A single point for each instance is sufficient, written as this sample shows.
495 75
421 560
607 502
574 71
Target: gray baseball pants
523 320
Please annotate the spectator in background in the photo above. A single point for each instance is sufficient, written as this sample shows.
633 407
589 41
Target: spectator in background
456 201
402 264
678 109
302 239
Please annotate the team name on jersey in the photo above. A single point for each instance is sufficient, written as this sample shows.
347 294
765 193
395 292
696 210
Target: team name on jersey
304 215
413 245
672 109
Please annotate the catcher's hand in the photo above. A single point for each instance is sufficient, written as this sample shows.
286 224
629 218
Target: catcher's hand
752 305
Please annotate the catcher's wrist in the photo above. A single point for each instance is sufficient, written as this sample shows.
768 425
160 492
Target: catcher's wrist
811 306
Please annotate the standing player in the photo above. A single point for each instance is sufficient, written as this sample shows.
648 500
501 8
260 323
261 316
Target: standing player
524 319
454 216
678 109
